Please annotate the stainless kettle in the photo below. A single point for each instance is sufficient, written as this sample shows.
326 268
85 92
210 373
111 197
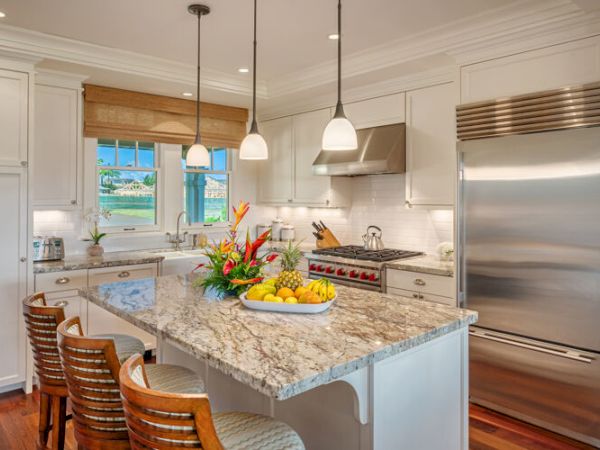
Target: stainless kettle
372 240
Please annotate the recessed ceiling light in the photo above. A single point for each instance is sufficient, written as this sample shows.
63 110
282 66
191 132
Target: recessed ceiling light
243 70
334 36
187 94
2 15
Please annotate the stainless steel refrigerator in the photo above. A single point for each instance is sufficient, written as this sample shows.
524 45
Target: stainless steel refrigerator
529 263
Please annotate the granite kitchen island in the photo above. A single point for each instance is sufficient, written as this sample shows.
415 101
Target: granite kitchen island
374 372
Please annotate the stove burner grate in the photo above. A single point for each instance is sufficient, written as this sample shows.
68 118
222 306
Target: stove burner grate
358 252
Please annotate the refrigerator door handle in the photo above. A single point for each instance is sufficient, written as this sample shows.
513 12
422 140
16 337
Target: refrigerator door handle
556 350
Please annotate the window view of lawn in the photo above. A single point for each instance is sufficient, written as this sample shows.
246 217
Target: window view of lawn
130 195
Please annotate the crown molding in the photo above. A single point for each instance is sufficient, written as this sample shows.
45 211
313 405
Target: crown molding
40 45
58 78
284 107
529 25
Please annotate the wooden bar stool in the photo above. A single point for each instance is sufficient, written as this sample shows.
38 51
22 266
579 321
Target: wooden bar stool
41 322
91 366
166 421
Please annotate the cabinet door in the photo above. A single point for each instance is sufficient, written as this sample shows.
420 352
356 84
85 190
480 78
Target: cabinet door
13 274
431 146
13 118
275 174
101 321
376 111
55 154
308 129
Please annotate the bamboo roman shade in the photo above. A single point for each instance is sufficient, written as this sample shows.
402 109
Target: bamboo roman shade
121 114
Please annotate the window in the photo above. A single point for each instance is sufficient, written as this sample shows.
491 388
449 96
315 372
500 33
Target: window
127 178
206 189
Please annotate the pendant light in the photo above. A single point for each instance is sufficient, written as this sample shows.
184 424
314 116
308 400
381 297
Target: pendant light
254 146
197 154
339 133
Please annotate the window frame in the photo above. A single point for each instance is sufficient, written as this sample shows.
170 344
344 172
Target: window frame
121 229
197 226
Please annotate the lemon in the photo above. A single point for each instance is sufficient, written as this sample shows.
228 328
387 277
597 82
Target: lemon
277 300
291 300
269 298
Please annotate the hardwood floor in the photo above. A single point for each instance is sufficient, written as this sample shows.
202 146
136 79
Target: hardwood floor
488 430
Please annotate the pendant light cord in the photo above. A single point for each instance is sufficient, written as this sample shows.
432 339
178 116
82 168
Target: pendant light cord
254 126
339 51
198 86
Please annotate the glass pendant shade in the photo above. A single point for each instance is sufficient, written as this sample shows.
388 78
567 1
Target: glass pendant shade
254 147
339 135
197 156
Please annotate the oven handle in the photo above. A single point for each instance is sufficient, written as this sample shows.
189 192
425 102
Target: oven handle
551 350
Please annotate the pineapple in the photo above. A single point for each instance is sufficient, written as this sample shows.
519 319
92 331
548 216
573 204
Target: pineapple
289 277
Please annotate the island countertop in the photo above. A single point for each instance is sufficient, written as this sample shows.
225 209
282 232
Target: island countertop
279 355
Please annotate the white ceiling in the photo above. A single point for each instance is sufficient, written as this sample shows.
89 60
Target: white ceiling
292 33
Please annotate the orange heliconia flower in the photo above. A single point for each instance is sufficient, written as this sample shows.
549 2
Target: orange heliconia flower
239 214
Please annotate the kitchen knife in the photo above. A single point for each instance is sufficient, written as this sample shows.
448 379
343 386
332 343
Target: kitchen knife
316 227
323 225
318 236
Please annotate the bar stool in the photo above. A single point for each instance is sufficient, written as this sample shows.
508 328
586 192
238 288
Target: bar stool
164 421
91 366
41 322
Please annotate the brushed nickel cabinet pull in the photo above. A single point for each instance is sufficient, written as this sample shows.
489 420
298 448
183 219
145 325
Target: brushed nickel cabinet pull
419 282
62 280
124 274
23 259
415 295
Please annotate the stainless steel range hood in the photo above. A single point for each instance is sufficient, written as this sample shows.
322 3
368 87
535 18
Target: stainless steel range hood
380 150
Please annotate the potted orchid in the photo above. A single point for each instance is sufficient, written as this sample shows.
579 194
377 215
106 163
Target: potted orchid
93 218
234 267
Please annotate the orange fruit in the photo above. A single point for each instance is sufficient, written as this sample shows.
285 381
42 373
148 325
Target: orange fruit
299 291
285 293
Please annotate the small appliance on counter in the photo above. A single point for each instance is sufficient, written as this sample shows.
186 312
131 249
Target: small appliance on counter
276 226
48 248
288 232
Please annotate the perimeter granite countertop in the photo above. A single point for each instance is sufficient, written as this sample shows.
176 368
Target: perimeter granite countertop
109 259
279 355
424 264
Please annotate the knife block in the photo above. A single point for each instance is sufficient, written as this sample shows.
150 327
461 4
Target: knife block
328 241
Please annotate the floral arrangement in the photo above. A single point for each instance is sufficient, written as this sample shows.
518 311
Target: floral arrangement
93 217
234 267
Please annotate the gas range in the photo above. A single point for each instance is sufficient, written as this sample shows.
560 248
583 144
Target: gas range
354 266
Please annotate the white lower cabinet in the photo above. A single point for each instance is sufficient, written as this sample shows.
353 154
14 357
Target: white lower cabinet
100 321
426 287
63 287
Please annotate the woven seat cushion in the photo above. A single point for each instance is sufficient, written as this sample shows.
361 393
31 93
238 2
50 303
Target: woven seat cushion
174 379
245 431
125 345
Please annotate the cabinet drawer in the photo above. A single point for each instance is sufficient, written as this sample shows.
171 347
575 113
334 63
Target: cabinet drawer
122 273
61 281
422 296
421 282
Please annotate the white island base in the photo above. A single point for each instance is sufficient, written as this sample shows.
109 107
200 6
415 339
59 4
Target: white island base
414 400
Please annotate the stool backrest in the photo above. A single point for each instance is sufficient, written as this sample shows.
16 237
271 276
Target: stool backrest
161 420
91 368
41 322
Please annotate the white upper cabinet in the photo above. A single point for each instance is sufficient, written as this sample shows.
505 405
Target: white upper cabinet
14 88
308 131
431 146
548 68
286 177
376 111
275 174
56 154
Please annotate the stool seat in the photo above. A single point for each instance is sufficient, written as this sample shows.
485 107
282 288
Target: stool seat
125 345
173 379
242 430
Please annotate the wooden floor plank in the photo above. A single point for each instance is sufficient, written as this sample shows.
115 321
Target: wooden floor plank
488 430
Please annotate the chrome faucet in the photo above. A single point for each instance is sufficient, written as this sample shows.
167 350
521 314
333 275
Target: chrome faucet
178 239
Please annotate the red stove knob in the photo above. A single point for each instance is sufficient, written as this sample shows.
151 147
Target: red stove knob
363 275
372 277
312 267
329 269
353 274
320 268
341 272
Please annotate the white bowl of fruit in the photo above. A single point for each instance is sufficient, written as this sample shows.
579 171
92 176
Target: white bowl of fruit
289 292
